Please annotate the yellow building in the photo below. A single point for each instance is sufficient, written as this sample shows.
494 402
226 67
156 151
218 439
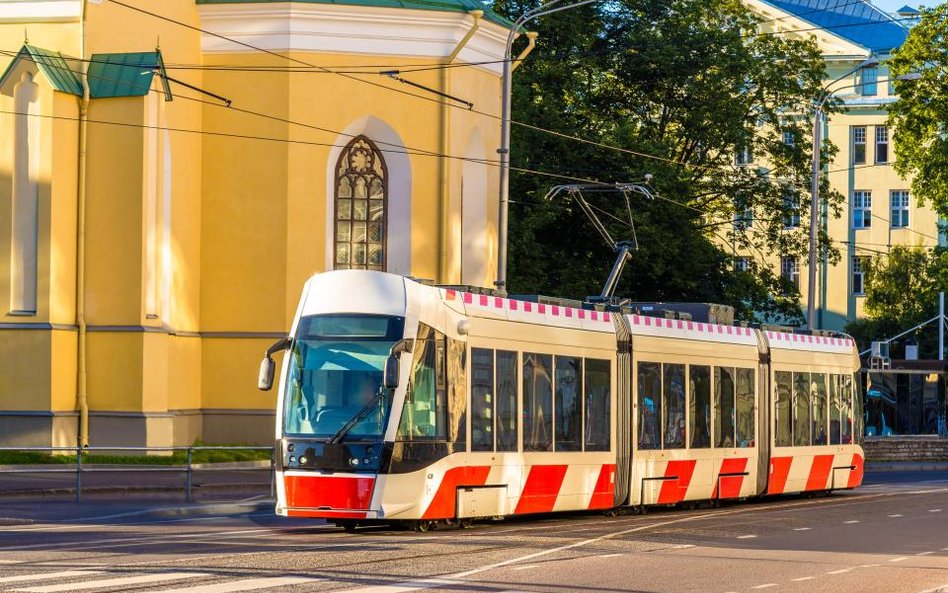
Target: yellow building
879 211
171 173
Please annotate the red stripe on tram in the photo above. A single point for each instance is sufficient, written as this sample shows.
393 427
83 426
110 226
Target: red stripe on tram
604 493
542 487
675 490
819 472
443 504
855 476
730 485
779 472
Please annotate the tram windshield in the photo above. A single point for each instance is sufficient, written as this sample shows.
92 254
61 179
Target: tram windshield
335 371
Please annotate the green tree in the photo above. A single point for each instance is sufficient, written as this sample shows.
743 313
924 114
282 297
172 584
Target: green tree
682 86
920 116
902 291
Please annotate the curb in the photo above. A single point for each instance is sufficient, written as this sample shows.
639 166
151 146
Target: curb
906 466
130 490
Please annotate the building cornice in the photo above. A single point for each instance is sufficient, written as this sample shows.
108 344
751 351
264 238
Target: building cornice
342 29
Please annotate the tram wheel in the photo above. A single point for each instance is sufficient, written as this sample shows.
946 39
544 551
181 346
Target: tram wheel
611 512
348 526
423 526
465 523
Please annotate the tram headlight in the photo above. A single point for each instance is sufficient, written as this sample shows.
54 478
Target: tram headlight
292 459
354 461
304 460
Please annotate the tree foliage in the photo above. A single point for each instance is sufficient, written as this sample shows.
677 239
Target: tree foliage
920 116
681 86
902 291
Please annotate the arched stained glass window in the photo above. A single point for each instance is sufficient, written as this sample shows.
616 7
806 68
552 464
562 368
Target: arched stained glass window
361 206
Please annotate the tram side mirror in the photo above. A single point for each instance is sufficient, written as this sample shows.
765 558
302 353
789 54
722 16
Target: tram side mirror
265 378
391 371
268 367
390 377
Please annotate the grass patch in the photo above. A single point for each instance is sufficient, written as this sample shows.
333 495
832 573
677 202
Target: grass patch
175 458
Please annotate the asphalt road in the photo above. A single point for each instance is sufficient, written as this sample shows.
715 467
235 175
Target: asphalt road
889 536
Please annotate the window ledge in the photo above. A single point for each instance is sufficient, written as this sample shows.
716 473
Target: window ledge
18 313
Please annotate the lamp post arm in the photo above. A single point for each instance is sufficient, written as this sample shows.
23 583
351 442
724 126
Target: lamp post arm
504 150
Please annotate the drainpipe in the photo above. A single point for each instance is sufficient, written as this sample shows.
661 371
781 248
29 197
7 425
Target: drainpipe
81 395
445 203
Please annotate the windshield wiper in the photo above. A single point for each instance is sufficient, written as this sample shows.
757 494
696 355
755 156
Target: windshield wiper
356 419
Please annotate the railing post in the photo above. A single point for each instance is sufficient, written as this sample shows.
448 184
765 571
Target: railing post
187 473
78 472
272 472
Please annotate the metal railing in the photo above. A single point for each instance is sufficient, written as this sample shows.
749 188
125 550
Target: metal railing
80 468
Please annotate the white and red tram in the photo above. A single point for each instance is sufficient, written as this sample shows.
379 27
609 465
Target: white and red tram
405 402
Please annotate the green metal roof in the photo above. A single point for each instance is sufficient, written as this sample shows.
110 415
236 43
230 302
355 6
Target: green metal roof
442 5
53 65
125 75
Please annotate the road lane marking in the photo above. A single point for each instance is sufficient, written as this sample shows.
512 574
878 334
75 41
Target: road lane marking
243 585
924 553
934 510
894 516
868 565
851 522
802 528
899 559
800 579
746 536
115 582
610 555
840 571
527 567
685 546
764 586
49 575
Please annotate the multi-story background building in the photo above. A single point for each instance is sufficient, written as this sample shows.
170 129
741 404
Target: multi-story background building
879 211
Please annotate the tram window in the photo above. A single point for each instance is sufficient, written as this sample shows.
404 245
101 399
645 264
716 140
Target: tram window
506 400
835 387
457 393
819 407
424 414
746 419
598 397
482 399
783 382
569 404
846 415
700 406
723 407
801 409
650 405
537 402
673 382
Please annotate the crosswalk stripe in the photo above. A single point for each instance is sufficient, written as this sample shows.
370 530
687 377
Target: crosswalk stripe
22 578
114 582
242 585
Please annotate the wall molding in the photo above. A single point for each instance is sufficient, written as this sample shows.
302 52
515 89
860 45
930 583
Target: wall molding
335 28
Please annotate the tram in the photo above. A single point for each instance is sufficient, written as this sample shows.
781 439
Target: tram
405 402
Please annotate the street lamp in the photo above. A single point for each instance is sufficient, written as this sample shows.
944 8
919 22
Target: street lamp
818 105
504 150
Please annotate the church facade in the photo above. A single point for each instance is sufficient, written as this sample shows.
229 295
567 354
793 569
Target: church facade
173 172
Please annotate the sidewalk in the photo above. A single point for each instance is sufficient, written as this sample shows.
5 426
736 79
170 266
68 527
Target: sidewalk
906 466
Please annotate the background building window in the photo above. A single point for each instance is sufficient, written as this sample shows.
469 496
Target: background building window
742 264
882 144
744 156
790 270
791 208
743 217
859 145
868 82
361 205
900 208
860 265
788 138
862 209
